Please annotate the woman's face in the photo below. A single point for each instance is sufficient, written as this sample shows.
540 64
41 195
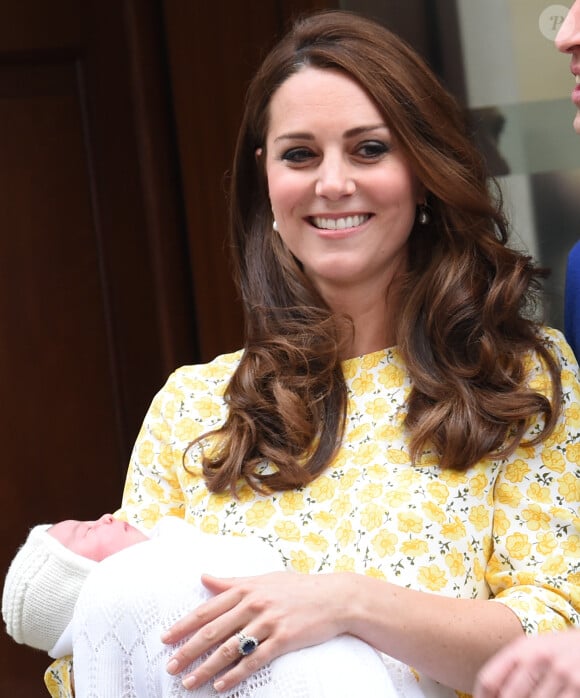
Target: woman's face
342 192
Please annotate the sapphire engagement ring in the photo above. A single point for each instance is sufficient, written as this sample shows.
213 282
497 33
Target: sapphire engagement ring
246 644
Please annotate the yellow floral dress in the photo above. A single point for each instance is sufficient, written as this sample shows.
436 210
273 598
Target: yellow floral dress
507 529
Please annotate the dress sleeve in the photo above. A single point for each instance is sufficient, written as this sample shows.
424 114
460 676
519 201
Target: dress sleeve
57 678
534 566
152 488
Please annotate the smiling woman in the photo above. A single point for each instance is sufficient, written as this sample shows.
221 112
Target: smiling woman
394 427
343 195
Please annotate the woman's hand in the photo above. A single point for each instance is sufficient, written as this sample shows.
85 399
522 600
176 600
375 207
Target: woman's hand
284 611
544 666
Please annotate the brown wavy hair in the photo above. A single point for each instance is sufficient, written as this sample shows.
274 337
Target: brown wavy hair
465 320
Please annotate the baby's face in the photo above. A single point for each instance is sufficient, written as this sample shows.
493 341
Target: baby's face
96 540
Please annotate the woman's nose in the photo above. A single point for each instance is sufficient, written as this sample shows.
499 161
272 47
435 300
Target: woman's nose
335 180
106 519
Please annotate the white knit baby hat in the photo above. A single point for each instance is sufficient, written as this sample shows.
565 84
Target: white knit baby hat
41 588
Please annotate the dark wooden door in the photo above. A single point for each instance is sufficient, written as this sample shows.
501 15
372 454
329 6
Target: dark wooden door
117 124
95 303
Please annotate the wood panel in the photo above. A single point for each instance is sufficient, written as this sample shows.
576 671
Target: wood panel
213 50
95 307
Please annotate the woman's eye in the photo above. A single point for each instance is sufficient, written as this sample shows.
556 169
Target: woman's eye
372 149
297 155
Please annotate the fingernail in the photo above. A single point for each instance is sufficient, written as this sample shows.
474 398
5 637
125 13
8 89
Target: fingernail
189 681
218 685
171 667
166 636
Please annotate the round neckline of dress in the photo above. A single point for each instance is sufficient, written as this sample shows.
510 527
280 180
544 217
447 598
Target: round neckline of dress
373 354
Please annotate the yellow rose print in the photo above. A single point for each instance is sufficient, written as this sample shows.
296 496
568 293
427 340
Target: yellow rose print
154 489
150 515
371 517
161 431
186 429
501 523
432 577
342 505
260 513
479 516
517 471
571 546
170 456
378 408
364 384
545 543
438 491
557 437
409 523
538 493
301 562
385 543
349 478
554 565
291 502
454 530
509 494
367 453
388 432
454 560
518 546
344 564
287 530
453 478
210 524
392 376
316 542
345 534
478 570
397 497
376 573
371 361
206 407
477 484
414 548
536 518
358 433
573 453
218 502
145 453
573 415
323 489
325 519
370 492
569 487
554 461
433 512
398 456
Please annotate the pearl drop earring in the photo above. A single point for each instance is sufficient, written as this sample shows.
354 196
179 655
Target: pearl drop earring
423 216
275 226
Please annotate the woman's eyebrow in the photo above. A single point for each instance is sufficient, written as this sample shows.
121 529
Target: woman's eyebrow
356 131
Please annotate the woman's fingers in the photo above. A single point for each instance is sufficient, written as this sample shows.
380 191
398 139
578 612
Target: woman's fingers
227 666
281 610
200 617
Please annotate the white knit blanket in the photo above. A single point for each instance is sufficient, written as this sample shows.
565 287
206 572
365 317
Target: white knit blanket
132 596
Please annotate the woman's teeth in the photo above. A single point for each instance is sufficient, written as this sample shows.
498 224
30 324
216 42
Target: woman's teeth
339 223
